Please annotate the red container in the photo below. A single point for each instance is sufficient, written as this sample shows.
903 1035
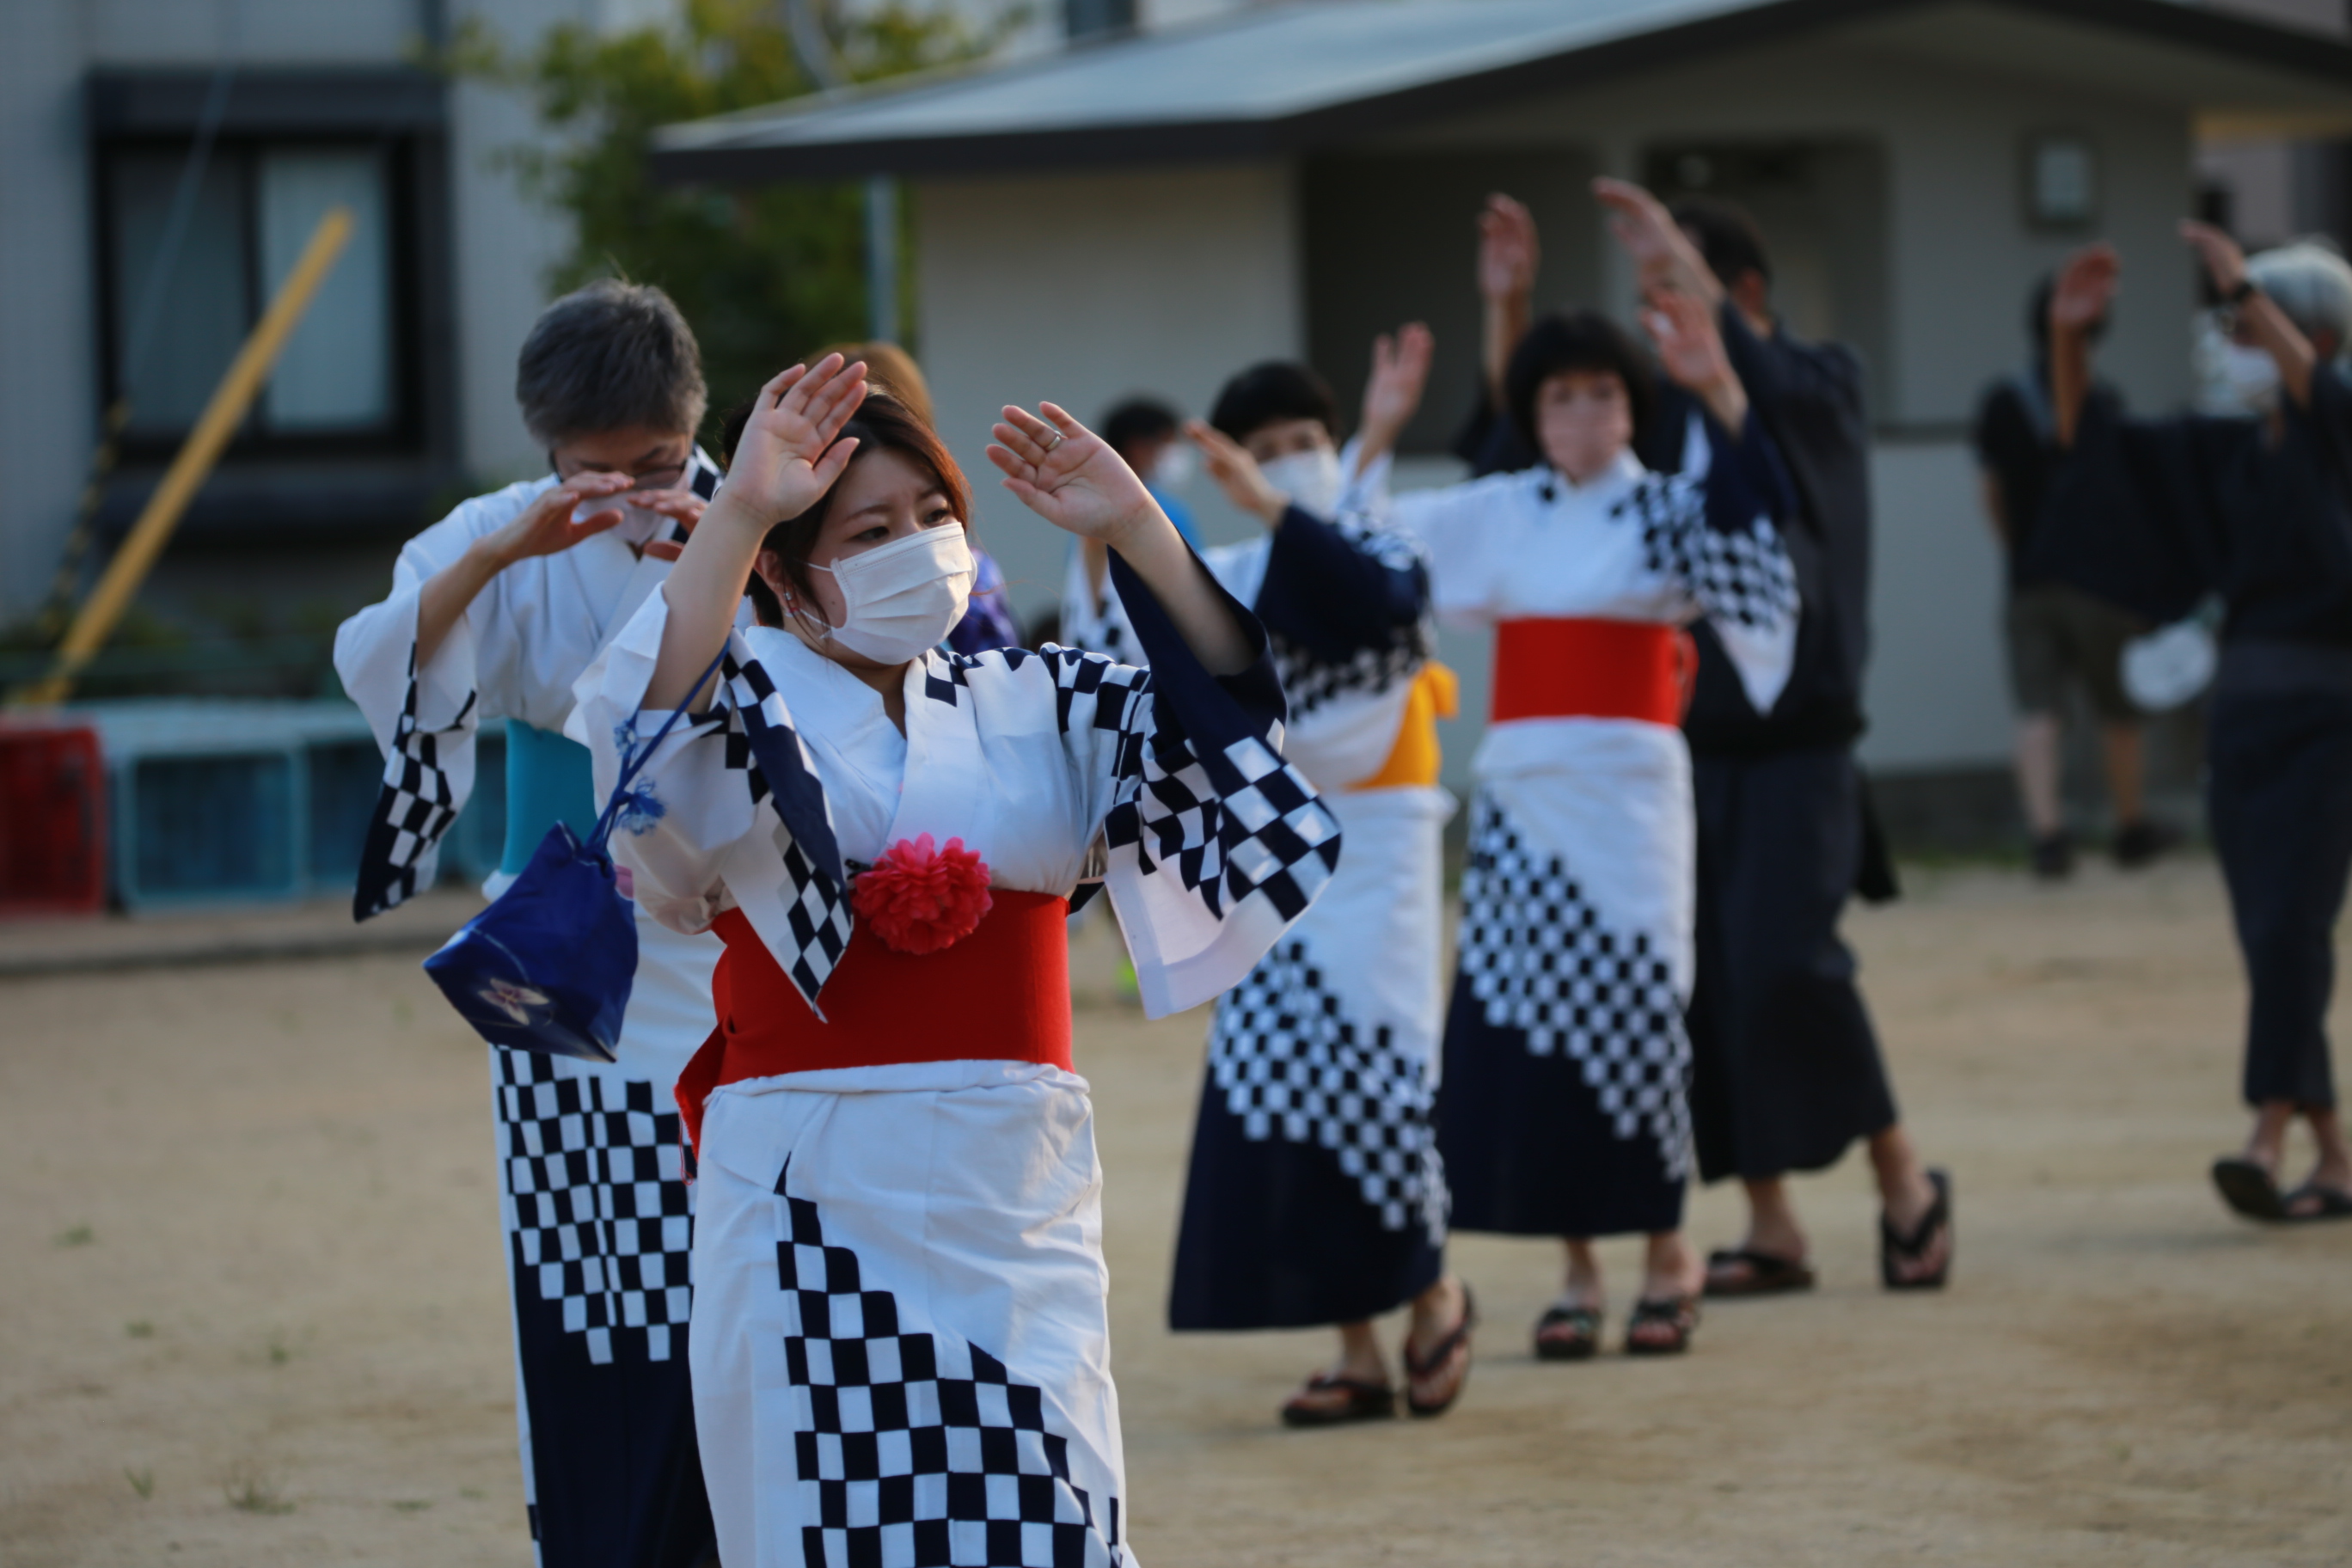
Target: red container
52 819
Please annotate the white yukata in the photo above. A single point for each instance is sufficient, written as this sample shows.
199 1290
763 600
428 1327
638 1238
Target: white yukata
900 1345
592 1186
1566 1066
1315 1194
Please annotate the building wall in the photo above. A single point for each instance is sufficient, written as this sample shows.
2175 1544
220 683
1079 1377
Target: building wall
1085 289
502 242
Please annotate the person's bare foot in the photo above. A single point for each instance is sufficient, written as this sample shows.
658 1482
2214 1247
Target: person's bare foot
1437 1347
1343 1391
1672 1275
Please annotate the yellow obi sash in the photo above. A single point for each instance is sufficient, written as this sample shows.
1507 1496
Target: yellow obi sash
1414 760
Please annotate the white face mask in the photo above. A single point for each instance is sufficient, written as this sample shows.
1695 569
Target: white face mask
904 596
2232 378
1310 478
1173 471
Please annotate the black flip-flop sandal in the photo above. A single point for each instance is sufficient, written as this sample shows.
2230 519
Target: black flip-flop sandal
1580 1342
1365 1401
2334 1204
1894 1246
1439 1355
1679 1313
2249 1189
1767 1275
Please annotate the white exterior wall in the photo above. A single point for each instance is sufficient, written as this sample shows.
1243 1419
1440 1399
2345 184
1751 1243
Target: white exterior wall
49 335
1084 288
1168 280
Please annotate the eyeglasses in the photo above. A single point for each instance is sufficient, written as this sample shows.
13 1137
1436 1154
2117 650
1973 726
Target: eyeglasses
666 478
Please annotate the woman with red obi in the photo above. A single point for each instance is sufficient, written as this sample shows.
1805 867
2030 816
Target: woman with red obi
1562 1107
901 1351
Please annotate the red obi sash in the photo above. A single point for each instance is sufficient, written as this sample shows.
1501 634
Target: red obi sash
1002 994
1589 669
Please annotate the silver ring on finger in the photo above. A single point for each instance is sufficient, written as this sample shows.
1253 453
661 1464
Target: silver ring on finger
1057 439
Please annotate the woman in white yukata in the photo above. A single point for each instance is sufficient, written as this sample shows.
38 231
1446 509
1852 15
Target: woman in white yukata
1565 1065
494 612
900 1350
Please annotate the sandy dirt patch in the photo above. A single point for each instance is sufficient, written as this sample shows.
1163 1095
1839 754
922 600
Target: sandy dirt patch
250 1256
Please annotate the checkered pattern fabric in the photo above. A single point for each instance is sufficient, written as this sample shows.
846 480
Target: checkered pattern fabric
1309 683
1742 577
760 737
603 1218
414 808
1232 824
1290 1063
1541 961
923 1448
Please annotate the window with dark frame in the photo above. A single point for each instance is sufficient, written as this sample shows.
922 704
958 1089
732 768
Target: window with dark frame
346 382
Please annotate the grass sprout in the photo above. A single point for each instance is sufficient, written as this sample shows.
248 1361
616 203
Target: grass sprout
76 1236
249 1490
142 1480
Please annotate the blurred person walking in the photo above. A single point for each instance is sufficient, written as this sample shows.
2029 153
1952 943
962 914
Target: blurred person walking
2256 507
494 611
1563 1108
1315 1194
2057 636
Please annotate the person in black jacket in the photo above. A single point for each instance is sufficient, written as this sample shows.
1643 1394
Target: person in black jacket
1786 1072
2258 510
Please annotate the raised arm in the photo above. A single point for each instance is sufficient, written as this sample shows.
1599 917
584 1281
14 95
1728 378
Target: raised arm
1690 348
2268 325
787 458
1392 395
1507 256
2078 301
1069 476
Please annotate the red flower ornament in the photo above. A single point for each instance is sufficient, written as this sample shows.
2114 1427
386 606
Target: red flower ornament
918 899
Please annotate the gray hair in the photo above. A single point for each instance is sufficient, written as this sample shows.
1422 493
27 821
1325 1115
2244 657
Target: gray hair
2310 281
606 357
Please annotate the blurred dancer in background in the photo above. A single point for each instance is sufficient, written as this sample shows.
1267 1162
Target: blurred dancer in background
1788 1073
1315 1194
2256 507
1563 1108
2057 635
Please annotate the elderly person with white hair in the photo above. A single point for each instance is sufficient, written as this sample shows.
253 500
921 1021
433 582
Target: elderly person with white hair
2254 505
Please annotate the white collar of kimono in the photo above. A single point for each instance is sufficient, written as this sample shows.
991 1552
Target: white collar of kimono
1618 475
936 762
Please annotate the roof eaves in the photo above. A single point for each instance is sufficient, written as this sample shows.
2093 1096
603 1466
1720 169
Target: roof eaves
717 159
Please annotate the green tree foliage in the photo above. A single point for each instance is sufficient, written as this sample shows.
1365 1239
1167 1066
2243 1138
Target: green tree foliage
763 274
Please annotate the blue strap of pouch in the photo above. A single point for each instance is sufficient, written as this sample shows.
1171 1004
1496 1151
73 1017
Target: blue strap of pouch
549 965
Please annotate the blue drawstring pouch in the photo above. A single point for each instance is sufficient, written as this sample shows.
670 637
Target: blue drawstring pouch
549 965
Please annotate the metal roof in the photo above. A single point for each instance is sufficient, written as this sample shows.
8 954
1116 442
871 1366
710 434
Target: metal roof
1267 80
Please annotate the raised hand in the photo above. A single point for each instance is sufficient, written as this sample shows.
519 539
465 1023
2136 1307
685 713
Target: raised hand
1392 395
789 455
2085 287
1507 251
1236 473
547 527
681 507
1660 251
2224 262
1690 349
1069 476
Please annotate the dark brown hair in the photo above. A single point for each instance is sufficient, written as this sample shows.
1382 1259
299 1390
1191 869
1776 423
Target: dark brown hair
882 424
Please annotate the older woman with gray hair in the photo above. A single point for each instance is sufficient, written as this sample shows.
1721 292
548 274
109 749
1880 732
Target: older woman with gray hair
2255 505
494 611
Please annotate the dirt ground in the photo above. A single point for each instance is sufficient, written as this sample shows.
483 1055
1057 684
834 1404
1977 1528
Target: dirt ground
252 1309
